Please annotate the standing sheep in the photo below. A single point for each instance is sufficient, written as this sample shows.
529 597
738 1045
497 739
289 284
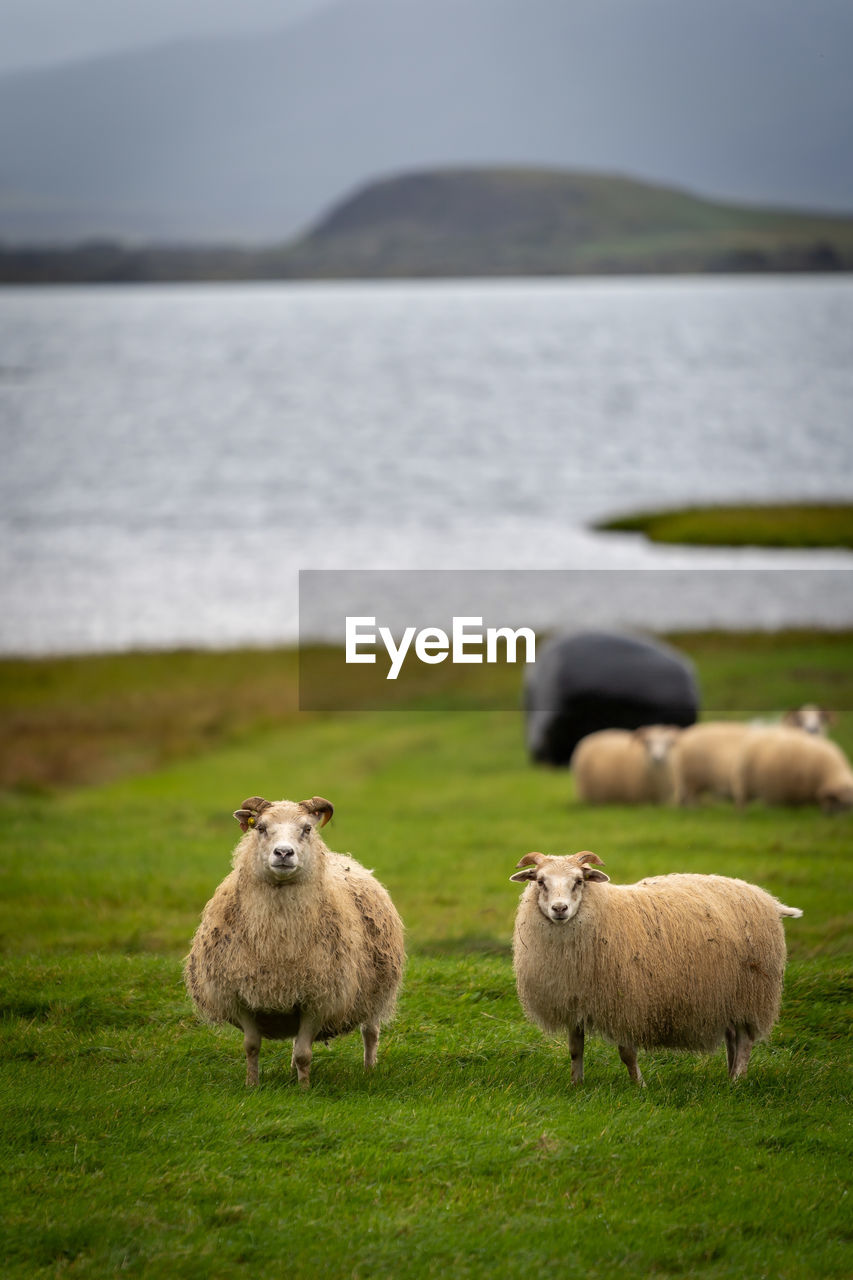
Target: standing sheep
297 941
618 766
789 767
675 962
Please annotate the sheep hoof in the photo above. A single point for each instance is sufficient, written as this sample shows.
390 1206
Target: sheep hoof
251 1070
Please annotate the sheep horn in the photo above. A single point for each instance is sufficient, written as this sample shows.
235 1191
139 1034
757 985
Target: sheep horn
317 804
249 811
531 860
582 859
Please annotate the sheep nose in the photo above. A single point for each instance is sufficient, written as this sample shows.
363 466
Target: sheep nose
285 850
559 908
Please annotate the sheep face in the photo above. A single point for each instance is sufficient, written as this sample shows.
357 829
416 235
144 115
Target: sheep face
559 882
285 848
658 740
809 718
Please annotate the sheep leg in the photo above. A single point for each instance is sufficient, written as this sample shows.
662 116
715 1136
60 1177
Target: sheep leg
576 1050
302 1053
628 1054
738 794
680 793
252 1045
731 1048
370 1036
743 1048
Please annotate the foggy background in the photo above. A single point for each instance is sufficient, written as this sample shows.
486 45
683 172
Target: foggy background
193 122
156 488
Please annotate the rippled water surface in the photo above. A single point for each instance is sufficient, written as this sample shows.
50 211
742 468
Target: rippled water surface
174 455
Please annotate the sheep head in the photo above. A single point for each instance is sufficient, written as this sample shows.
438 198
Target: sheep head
560 881
810 718
837 799
658 740
283 847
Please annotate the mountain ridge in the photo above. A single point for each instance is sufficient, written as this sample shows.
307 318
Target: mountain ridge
486 222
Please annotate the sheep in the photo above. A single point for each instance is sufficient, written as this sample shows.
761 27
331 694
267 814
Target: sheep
706 759
618 766
678 961
788 767
810 718
297 941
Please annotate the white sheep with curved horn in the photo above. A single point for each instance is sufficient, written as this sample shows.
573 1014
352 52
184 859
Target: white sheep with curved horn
297 941
675 961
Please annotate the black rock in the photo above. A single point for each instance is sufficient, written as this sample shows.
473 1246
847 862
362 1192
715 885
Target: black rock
598 680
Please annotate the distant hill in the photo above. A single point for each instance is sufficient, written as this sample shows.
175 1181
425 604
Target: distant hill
485 222
548 222
248 139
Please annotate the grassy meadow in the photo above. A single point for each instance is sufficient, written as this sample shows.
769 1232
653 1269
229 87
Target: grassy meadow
131 1146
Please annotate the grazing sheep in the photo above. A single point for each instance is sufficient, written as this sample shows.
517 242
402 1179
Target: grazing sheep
675 962
708 755
706 759
618 766
810 718
788 767
297 940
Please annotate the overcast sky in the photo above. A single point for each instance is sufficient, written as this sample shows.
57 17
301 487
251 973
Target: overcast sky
42 32
254 139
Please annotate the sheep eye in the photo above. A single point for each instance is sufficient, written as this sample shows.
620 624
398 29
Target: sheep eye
540 880
261 829
306 829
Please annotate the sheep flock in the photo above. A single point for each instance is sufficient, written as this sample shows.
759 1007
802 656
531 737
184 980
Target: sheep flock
299 942
789 763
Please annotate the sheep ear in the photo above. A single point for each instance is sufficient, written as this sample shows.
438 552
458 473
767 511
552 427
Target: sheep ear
247 814
532 862
318 807
587 861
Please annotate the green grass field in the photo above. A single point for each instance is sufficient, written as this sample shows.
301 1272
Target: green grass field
774 525
131 1146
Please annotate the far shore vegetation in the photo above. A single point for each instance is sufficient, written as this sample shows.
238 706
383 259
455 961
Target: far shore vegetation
778 525
479 223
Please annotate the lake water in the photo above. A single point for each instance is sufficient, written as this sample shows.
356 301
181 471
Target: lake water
173 456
